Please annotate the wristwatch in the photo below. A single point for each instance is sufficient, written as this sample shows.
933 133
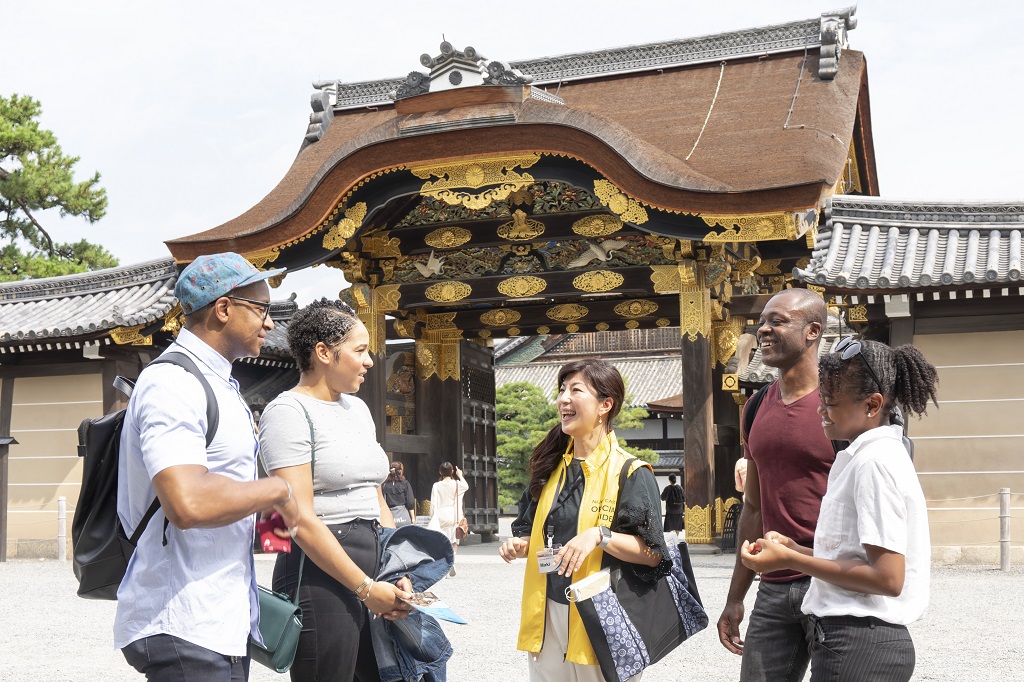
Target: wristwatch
606 536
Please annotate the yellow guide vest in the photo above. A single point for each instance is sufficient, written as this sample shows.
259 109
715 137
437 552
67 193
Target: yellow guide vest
597 508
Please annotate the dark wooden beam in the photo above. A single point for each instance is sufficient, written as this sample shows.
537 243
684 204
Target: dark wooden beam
698 443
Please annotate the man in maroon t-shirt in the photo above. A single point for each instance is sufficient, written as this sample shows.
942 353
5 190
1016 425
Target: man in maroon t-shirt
789 458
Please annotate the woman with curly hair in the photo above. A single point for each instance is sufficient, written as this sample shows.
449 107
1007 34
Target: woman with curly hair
870 563
573 508
339 495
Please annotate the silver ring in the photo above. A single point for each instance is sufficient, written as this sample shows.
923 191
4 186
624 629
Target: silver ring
292 531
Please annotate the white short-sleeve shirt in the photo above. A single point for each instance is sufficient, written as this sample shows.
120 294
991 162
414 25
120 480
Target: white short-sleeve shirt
201 585
873 498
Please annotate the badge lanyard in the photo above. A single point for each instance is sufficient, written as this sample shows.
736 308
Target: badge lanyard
561 498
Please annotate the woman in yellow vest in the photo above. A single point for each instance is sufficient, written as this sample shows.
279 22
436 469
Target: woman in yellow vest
571 516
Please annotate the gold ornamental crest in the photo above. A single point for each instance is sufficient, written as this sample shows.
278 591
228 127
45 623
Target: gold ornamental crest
446 292
597 281
521 229
518 287
543 329
632 324
572 328
500 317
448 237
602 326
568 312
636 308
597 225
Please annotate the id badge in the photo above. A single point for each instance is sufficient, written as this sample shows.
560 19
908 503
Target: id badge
547 561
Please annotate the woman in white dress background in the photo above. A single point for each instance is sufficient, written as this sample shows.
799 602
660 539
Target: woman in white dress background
446 507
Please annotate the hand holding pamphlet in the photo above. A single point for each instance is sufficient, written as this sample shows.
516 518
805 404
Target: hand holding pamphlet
429 603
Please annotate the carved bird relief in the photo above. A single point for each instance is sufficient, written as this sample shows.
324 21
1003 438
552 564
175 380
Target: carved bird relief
433 266
601 251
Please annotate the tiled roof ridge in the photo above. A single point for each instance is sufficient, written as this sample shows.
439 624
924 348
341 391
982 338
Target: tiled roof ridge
84 283
829 29
865 209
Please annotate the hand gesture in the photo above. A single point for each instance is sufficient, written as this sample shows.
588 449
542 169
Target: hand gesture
729 627
385 599
765 555
514 548
570 557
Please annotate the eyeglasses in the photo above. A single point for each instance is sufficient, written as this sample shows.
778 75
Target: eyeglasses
848 347
261 304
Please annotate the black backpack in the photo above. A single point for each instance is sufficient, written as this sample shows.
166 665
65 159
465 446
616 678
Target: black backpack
100 548
896 417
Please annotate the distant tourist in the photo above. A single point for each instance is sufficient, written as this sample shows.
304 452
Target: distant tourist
446 506
740 474
399 496
871 558
675 505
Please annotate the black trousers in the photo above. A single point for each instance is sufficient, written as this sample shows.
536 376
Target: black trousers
335 643
852 649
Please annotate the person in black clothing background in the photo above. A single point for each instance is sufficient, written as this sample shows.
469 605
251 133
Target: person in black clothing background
398 494
673 498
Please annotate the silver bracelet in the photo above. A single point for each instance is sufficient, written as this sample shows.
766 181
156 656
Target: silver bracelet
289 486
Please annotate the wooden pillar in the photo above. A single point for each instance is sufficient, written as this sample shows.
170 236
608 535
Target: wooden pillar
698 443
6 401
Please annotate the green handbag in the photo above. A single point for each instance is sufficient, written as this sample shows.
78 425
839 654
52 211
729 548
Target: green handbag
280 625
281 617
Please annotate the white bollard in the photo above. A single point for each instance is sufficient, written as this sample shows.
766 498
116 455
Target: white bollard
1004 529
62 529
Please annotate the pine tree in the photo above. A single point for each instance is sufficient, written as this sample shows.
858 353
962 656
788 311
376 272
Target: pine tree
523 418
35 176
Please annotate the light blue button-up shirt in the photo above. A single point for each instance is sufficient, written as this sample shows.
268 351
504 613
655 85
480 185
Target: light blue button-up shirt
201 586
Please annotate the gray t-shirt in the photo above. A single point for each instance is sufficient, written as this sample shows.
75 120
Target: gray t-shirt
350 463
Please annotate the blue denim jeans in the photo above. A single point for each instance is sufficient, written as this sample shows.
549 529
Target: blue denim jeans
777 644
165 658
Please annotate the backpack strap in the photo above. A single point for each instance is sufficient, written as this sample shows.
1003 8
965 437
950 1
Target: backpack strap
212 422
753 404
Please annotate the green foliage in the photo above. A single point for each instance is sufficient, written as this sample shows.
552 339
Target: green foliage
630 418
36 176
523 416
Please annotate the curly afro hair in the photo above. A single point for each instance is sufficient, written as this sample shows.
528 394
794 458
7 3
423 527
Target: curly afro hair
907 379
323 321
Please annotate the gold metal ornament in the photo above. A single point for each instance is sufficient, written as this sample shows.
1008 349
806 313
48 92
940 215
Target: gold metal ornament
769 267
628 209
726 335
513 331
663 322
857 313
572 328
567 312
454 178
448 237
174 320
730 382
698 525
632 324
406 328
382 245
543 330
484 333
597 225
602 326
261 258
636 308
752 228
437 351
521 229
665 279
520 287
597 281
346 227
694 301
131 336
500 317
447 292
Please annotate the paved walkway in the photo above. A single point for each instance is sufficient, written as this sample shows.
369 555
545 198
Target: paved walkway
973 631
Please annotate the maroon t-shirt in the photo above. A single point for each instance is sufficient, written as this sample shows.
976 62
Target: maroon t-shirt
793 458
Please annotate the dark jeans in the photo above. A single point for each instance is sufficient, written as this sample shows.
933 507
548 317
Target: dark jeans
851 649
335 642
776 646
164 658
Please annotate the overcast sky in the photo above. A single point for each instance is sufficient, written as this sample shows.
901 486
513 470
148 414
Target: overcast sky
193 111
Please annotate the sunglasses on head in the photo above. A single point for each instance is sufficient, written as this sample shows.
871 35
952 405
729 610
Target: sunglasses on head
849 347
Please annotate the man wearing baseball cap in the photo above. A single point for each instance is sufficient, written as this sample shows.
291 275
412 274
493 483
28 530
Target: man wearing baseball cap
187 605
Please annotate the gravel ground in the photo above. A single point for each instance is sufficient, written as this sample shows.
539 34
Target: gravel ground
973 630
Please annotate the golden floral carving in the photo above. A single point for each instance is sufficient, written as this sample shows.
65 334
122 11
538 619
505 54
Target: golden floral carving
662 322
484 333
632 324
857 313
386 297
500 317
447 292
751 228
406 328
567 312
698 525
543 330
346 227
448 237
726 335
519 287
602 326
628 209
521 228
769 267
597 281
439 321
636 308
513 331
454 178
174 320
261 258
694 301
572 328
730 382
665 278
437 352
277 280
597 225
131 336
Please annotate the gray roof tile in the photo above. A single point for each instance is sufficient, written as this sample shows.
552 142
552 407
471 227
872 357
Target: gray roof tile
647 379
869 243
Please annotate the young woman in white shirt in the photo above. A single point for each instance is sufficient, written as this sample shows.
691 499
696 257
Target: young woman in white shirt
871 557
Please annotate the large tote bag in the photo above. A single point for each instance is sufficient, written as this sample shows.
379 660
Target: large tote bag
633 624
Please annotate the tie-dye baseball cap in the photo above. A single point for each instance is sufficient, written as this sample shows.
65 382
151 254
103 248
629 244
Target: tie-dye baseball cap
207 278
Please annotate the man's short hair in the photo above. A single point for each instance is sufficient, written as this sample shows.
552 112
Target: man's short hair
810 305
208 278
